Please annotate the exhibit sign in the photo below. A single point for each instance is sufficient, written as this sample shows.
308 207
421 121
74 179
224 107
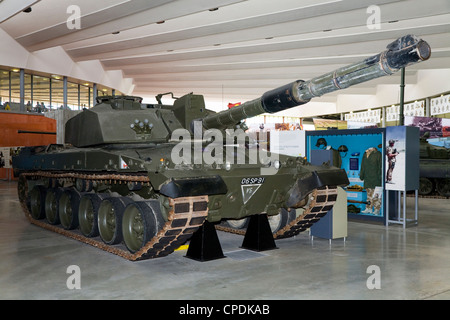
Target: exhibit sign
291 143
402 158
371 116
440 105
6 154
413 109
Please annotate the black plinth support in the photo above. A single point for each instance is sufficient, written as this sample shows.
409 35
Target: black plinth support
259 237
205 244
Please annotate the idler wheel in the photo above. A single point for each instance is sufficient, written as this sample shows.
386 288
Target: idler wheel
52 205
37 202
69 203
110 215
87 214
139 225
238 224
280 220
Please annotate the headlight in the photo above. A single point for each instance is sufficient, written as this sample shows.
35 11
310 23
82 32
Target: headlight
227 166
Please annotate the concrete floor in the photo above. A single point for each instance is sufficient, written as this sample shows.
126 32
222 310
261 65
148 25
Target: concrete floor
413 263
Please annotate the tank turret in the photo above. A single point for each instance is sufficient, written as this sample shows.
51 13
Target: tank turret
123 177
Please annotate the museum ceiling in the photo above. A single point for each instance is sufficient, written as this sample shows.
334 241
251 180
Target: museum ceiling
231 49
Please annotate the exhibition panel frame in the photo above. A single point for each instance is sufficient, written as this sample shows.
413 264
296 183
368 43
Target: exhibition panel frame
374 159
360 152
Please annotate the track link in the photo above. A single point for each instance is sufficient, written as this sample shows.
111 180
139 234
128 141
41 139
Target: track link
187 214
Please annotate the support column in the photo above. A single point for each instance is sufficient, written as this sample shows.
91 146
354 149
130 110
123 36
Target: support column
79 96
402 97
50 92
65 92
22 90
10 88
94 94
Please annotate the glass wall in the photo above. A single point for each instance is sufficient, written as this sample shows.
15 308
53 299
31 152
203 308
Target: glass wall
57 93
46 92
15 86
41 91
85 96
4 86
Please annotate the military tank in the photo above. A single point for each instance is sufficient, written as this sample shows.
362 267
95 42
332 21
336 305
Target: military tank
434 168
139 180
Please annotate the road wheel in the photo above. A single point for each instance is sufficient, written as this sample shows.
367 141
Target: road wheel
443 187
139 225
110 214
87 214
37 202
426 186
52 205
69 203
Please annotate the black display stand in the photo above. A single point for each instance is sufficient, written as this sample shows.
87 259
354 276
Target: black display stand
259 236
205 244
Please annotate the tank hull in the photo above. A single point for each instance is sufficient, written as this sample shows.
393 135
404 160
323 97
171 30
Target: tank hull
179 201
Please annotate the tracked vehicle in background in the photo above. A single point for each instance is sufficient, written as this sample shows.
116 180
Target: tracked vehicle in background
434 168
116 184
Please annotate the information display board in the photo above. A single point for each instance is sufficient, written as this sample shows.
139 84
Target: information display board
402 158
360 152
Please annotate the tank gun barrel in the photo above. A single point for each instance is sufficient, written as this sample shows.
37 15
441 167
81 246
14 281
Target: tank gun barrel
401 53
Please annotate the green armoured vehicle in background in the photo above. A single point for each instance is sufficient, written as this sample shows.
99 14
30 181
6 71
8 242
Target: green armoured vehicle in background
149 176
434 168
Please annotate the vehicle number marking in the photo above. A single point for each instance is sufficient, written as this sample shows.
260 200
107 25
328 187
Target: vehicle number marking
257 180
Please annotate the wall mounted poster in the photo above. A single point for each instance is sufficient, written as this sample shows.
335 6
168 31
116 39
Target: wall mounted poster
402 158
6 154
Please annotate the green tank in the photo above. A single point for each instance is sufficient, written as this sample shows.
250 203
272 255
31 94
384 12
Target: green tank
434 168
139 180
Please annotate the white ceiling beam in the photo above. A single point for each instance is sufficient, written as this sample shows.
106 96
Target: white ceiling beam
9 8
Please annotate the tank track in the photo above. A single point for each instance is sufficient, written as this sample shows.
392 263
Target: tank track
187 214
321 201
